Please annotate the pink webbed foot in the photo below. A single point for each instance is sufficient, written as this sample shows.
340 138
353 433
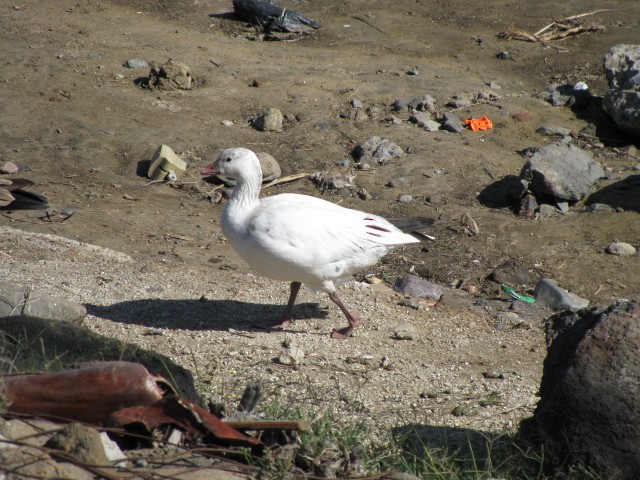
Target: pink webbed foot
287 317
342 333
278 327
354 322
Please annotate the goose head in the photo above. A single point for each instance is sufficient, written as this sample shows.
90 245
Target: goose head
237 163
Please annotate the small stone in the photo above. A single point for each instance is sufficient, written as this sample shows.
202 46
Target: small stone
452 123
422 119
463 411
509 318
111 449
620 248
547 210
361 359
374 111
270 167
396 182
414 286
291 356
550 294
170 76
522 117
511 272
551 130
362 166
563 207
82 442
377 149
403 332
435 199
270 120
344 163
355 103
227 123
413 71
118 76
600 208
360 116
405 199
363 194
136 63
495 86
9 167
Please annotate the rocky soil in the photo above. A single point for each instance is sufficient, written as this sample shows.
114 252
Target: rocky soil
77 122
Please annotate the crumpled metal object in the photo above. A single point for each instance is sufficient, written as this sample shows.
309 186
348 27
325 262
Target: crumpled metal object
271 16
193 420
87 394
120 394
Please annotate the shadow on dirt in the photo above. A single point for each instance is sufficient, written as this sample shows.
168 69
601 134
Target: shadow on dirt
602 126
501 193
35 344
619 194
204 314
467 449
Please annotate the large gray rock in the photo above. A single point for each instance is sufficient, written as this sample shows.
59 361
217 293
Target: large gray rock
563 172
588 411
621 65
624 107
622 100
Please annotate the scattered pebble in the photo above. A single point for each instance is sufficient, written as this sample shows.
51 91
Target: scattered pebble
550 294
270 120
355 103
377 149
414 286
551 130
600 208
522 117
9 167
405 199
452 123
404 332
396 182
413 71
463 411
620 248
136 63
291 356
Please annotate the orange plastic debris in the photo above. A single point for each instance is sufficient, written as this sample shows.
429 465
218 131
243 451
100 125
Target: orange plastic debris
476 124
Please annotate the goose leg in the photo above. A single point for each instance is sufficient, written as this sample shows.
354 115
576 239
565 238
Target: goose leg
287 316
342 333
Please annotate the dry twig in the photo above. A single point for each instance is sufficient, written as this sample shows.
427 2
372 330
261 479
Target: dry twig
557 30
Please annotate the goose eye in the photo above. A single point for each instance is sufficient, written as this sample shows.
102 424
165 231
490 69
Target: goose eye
228 159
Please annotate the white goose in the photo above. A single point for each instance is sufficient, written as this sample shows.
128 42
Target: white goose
299 238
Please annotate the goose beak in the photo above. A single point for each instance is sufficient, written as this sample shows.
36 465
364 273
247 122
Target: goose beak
210 170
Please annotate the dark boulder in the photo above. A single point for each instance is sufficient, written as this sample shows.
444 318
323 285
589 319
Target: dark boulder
589 413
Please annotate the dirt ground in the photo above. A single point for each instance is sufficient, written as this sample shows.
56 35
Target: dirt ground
74 115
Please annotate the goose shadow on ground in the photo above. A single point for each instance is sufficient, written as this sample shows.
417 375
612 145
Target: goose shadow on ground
624 194
34 344
205 314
